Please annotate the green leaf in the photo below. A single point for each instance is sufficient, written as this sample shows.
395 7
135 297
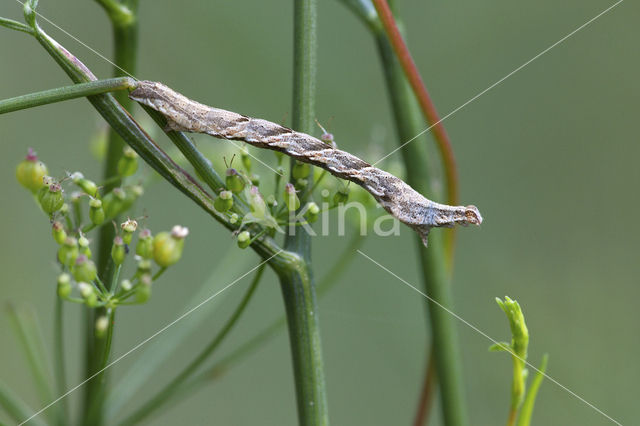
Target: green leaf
527 406
15 25
16 408
25 323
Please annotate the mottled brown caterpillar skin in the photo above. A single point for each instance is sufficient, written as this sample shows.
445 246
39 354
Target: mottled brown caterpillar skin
398 198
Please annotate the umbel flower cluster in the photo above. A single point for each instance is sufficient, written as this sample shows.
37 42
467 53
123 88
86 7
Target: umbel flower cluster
81 208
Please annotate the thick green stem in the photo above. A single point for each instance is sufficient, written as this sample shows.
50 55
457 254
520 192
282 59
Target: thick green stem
125 44
60 94
296 283
170 389
435 274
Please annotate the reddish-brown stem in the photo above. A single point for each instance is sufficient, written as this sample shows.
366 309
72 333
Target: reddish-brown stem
426 395
426 105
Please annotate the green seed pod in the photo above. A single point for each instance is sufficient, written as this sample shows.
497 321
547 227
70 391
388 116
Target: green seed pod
256 203
102 325
301 184
312 213
300 170
88 186
128 163
224 201
244 239
68 251
50 198
96 212
233 218
114 202
246 159
144 249
144 267
83 245
167 247
58 232
341 196
271 200
143 290
126 285
118 251
291 198
128 228
255 179
64 285
88 293
30 172
234 182
84 269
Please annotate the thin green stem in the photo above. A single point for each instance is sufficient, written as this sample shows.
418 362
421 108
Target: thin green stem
65 93
15 25
124 24
60 370
16 408
435 273
167 392
240 353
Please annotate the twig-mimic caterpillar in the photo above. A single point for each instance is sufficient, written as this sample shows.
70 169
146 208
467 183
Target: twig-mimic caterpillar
398 198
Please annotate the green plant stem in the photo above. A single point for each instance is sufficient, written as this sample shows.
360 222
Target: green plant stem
16 408
526 410
60 94
219 368
296 283
159 398
60 370
435 273
26 326
125 45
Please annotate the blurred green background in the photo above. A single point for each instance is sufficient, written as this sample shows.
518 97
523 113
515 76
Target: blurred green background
549 156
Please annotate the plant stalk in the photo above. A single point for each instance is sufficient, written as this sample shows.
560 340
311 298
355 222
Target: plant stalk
435 273
60 94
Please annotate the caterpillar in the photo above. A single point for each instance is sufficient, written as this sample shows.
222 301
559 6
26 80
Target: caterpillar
393 194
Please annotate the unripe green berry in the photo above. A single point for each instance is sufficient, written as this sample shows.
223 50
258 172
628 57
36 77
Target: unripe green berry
233 218
271 200
300 170
128 163
341 196
30 172
167 247
233 181
224 201
88 293
84 269
256 203
118 251
144 248
291 198
312 213
126 285
50 198
244 239
96 212
301 184
83 244
68 251
143 290
128 228
88 186
255 179
64 285
144 266
102 325
58 232
246 160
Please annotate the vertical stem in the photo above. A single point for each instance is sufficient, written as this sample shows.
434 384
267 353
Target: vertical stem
125 39
434 271
59 364
298 289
